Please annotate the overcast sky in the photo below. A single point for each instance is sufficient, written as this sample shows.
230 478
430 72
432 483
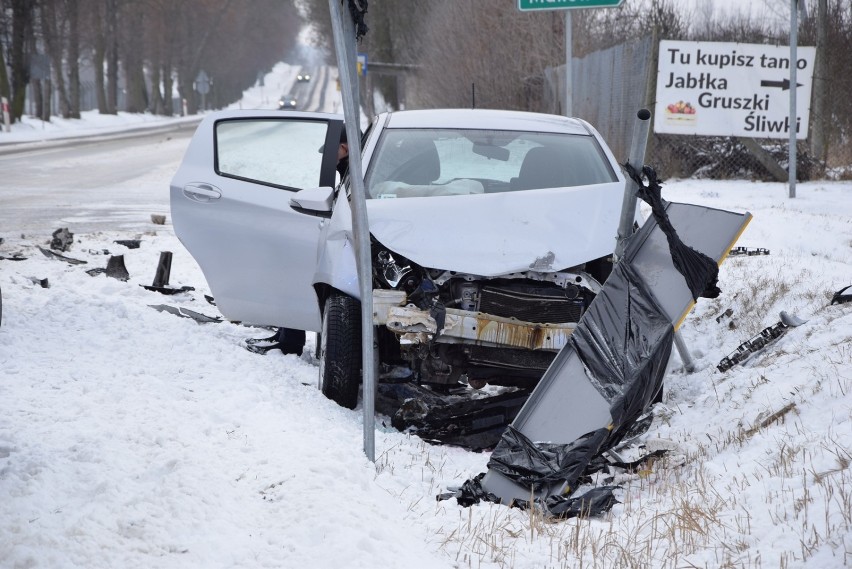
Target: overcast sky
758 8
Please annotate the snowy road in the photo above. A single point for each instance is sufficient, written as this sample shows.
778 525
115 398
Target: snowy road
88 186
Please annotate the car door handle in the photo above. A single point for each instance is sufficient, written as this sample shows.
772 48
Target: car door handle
201 192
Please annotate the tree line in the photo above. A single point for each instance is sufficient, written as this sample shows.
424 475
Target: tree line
491 50
148 49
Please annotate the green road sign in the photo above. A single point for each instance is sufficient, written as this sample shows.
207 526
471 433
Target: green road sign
527 5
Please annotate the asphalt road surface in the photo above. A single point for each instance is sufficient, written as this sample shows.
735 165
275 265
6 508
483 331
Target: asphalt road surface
89 185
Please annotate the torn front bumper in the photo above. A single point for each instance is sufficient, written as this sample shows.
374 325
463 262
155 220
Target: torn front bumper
416 326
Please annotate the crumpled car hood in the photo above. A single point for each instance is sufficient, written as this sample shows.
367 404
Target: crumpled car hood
495 234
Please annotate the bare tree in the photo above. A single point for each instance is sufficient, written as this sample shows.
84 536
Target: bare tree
22 33
52 15
485 53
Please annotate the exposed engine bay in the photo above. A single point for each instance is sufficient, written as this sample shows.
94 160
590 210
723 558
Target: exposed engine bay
449 328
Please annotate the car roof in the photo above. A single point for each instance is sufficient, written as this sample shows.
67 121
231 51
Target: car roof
485 119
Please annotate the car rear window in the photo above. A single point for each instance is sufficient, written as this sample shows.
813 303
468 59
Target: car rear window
441 162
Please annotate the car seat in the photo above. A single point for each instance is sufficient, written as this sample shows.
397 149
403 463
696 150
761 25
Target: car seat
422 164
543 167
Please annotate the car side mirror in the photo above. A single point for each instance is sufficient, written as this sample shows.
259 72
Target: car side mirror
314 201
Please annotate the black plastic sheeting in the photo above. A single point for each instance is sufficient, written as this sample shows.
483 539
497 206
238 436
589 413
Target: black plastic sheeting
692 264
537 466
592 503
358 9
624 341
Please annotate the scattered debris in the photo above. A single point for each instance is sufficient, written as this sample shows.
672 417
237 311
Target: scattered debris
43 283
14 257
461 419
263 345
158 219
62 240
168 290
842 295
209 299
593 503
161 277
748 251
725 314
129 243
187 313
115 268
51 255
759 341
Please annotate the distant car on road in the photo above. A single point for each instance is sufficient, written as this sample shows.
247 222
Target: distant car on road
287 102
491 231
303 77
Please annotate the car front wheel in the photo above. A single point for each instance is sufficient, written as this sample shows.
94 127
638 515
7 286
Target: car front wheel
340 349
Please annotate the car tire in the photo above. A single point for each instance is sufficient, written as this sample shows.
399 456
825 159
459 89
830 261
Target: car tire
340 349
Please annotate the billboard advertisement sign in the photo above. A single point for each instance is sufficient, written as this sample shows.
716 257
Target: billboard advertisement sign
731 89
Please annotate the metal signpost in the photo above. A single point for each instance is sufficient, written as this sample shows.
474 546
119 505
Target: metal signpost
567 5
794 39
344 46
202 86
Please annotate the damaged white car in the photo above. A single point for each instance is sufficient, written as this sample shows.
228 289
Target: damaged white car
491 233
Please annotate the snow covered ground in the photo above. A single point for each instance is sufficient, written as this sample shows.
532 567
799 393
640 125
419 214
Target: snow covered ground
130 437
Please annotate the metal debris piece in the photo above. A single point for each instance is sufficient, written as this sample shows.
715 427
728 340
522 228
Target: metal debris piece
129 243
842 295
748 251
161 277
167 290
43 283
187 313
759 341
51 255
158 219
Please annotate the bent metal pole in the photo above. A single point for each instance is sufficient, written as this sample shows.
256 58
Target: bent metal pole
637 160
344 46
628 212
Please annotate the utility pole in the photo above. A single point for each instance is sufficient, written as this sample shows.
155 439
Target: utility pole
794 58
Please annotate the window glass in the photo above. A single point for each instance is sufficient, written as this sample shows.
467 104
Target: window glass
283 153
440 162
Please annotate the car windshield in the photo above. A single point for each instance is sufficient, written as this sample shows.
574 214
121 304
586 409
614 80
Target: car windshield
442 162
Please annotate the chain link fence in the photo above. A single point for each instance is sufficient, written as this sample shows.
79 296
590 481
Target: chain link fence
611 85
